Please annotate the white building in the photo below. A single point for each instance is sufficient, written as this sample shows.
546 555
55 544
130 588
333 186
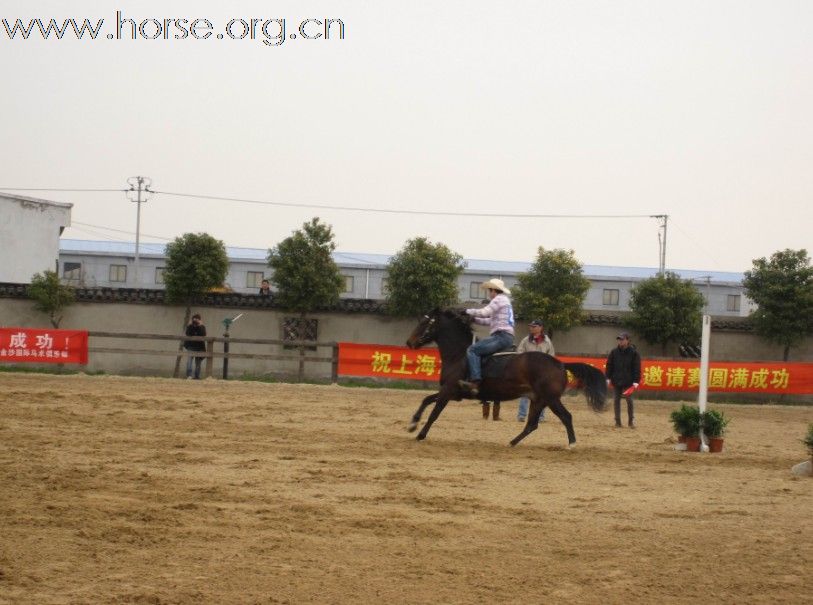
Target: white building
29 236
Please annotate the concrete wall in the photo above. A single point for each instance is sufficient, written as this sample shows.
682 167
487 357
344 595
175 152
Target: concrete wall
339 327
29 236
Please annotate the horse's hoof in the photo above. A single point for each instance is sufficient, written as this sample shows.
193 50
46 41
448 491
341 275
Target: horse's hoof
420 437
412 426
571 446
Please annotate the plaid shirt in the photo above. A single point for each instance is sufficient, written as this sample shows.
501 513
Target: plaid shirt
498 314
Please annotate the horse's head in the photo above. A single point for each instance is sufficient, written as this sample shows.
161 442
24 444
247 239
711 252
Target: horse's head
435 323
425 332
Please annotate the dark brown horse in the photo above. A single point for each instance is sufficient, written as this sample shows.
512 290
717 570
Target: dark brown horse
537 375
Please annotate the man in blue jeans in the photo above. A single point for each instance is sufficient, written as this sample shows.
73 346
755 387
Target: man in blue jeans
498 314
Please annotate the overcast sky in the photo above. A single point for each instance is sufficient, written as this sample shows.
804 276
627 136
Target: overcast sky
699 110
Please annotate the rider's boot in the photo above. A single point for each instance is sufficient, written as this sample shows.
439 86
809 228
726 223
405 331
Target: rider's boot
470 388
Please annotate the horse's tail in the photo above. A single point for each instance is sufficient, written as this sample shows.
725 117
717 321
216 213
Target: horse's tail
592 381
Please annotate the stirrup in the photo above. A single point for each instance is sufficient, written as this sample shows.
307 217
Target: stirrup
471 387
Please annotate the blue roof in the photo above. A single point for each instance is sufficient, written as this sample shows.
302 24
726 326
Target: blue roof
365 260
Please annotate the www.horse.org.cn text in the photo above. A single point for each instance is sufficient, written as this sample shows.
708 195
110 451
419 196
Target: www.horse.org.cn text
270 32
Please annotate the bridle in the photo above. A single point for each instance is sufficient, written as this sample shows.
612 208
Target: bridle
425 336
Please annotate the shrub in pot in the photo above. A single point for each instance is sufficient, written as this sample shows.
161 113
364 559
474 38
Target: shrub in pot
686 421
714 424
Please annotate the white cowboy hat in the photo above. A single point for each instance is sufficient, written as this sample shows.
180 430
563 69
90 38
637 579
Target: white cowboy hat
495 284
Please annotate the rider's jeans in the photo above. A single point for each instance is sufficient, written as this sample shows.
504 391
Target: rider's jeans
498 341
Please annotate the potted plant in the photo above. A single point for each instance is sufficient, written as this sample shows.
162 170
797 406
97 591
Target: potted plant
714 425
808 441
686 422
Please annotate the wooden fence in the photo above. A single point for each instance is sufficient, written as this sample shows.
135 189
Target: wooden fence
302 356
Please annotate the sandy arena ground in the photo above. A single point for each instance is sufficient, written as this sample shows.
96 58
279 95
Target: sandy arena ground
153 491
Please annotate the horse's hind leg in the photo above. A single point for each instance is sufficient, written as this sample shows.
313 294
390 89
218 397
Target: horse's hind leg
532 423
561 412
416 417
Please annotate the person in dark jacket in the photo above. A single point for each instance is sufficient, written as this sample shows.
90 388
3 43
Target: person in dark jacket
624 372
195 328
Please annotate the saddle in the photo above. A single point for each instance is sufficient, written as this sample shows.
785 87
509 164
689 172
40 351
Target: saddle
494 364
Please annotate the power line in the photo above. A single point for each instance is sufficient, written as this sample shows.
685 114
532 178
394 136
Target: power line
390 211
345 208
58 189
169 239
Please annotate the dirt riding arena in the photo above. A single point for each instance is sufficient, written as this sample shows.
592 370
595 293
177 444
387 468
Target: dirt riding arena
153 491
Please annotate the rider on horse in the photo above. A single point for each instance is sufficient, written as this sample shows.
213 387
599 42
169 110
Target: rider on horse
498 314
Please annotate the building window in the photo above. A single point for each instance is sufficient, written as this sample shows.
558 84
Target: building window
254 279
72 271
118 273
733 303
159 275
349 283
475 292
610 297
297 328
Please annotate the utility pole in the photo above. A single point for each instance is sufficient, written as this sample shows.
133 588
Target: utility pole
663 219
138 185
707 297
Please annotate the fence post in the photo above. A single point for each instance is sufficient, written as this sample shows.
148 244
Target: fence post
301 361
227 322
210 348
334 365
226 354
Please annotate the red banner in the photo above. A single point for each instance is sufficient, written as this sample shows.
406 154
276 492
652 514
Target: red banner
730 377
383 361
724 376
43 346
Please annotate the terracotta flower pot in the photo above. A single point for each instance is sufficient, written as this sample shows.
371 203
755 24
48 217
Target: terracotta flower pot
716 444
681 438
692 444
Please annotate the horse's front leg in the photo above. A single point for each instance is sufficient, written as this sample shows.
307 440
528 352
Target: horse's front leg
416 417
433 415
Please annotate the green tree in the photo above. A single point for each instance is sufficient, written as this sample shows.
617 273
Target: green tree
782 288
666 309
305 273
306 276
422 276
50 296
552 290
196 263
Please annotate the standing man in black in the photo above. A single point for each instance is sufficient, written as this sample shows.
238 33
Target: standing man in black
195 328
624 371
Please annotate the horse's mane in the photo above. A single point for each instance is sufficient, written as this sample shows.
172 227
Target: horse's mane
457 320
457 315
